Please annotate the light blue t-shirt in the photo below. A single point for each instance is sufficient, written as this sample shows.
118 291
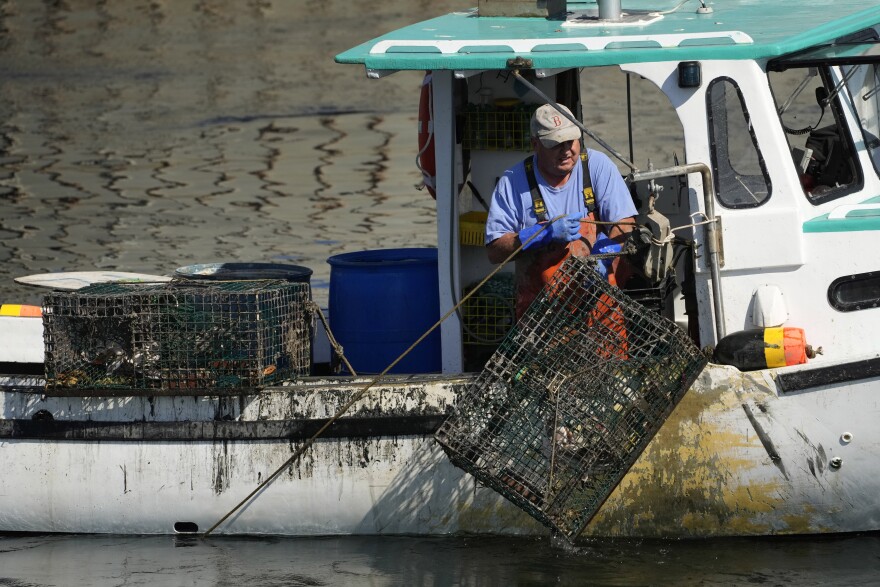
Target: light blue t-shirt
511 209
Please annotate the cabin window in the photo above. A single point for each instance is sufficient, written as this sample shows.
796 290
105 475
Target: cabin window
855 292
741 179
808 104
863 83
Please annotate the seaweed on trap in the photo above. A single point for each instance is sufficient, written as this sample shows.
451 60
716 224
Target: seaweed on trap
570 399
183 335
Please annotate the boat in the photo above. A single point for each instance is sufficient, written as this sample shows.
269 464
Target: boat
760 225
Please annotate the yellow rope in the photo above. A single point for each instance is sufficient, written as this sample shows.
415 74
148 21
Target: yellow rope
333 342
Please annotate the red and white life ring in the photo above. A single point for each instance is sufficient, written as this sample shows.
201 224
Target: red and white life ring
425 159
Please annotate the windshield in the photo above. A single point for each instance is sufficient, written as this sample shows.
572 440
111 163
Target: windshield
812 89
822 151
863 83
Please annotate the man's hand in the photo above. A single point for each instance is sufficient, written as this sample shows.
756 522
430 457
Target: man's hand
563 230
601 247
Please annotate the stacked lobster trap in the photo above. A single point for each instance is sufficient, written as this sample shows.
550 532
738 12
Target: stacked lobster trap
180 335
571 398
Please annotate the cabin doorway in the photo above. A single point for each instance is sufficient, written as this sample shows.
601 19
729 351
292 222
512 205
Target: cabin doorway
628 112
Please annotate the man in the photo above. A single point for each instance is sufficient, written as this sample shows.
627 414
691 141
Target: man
547 185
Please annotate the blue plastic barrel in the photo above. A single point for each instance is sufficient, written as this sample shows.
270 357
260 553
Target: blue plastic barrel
381 302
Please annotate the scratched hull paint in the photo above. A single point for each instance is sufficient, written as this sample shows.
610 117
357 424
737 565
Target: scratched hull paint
734 458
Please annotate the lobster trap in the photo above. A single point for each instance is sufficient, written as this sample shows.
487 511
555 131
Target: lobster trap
497 129
571 398
182 335
487 317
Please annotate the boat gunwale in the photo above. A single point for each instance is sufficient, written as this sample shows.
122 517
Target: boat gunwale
36 385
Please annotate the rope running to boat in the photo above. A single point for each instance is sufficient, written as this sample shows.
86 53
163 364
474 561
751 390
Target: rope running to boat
363 392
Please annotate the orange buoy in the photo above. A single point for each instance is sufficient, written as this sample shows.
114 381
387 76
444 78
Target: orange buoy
425 159
766 348
20 310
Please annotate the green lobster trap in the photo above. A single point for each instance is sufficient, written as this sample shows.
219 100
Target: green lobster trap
570 398
486 318
182 335
498 129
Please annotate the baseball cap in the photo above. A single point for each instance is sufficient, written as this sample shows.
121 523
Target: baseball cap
550 127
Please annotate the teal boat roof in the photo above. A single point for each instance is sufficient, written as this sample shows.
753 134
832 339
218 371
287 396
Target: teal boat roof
649 30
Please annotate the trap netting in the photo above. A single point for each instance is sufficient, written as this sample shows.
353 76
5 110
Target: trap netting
570 399
179 335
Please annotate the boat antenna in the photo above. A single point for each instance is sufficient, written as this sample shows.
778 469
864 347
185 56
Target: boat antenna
574 120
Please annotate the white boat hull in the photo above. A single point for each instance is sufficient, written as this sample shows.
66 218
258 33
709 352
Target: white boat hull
372 486
734 458
386 484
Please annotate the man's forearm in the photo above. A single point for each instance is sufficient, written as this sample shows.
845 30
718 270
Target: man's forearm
618 232
501 248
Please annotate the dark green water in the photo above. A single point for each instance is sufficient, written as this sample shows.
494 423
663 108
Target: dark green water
402 561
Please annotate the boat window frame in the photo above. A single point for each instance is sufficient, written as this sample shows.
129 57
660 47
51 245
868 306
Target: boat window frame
841 123
855 49
714 152
871 142
868 303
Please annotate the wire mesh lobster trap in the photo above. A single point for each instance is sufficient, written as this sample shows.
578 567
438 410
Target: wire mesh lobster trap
570 399
182 335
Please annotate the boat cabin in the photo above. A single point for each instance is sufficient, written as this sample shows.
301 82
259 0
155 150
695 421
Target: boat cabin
751 145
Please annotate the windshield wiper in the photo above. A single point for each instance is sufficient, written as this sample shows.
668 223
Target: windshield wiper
811 73
839 86
871 93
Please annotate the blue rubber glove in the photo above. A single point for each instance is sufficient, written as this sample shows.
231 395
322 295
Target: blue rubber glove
602 246
564 230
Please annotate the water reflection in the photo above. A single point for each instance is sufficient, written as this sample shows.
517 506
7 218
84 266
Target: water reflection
105 560
143 136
